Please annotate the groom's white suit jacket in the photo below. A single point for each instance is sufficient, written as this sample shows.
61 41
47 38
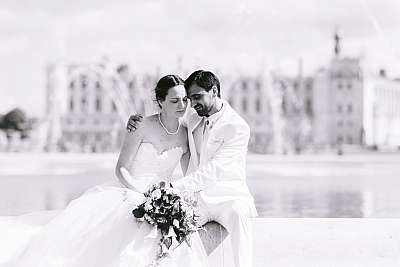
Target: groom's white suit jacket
218 148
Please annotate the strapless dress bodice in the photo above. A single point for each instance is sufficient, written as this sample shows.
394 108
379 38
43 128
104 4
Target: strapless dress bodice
151 164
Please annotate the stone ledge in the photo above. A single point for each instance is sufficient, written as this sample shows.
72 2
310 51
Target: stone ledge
317 241
295 241
212 236
326 242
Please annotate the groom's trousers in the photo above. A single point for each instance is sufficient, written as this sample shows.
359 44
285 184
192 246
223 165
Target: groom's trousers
234 216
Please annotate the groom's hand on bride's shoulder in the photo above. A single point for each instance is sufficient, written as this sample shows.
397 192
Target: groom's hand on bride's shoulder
133 122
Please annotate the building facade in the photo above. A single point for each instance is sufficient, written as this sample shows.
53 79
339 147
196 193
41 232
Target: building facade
338 105
277 109
249 97
338 102
88 105
382 112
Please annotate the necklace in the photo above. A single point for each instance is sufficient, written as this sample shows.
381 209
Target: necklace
165 128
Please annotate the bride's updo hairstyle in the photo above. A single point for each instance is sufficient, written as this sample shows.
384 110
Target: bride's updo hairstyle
164 84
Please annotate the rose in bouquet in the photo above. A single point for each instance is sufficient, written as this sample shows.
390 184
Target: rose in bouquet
172 213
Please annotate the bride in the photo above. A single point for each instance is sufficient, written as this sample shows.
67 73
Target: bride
98 228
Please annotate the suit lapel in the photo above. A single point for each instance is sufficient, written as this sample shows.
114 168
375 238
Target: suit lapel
197 144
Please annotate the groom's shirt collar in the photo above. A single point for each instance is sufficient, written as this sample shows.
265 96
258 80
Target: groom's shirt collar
211 120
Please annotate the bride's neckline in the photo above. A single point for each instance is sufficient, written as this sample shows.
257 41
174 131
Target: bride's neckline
162 152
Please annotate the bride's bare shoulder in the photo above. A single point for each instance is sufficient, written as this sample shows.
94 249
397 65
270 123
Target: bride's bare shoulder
149 122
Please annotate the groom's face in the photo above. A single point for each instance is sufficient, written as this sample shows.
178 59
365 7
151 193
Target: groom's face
201 100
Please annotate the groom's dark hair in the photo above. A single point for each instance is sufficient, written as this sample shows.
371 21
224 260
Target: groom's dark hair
204 79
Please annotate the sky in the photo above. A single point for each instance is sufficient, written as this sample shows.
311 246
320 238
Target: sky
238 36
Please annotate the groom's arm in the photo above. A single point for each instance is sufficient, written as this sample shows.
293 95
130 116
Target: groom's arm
227 164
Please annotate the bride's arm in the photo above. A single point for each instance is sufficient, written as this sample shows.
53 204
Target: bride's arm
128 153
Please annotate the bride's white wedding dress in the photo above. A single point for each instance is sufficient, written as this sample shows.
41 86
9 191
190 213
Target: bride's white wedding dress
99 230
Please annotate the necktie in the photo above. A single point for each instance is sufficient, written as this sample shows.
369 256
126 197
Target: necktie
206 123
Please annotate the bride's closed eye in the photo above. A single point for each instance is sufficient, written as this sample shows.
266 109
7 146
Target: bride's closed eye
176 100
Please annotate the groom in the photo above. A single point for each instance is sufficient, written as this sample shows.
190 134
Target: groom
218 139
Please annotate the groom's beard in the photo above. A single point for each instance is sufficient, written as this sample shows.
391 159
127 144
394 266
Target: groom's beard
202 111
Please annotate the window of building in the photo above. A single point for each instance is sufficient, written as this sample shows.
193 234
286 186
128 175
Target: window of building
84 81
98 104
295 86
131 84
83 104
349 86
339 86
98 85
99 137
72 84
284 106
258 85
349 108
349 140
350 124
340 123
339 108
244 104
309 107
338 75
308 86
339 139
258 105
114 107
71 104
244 86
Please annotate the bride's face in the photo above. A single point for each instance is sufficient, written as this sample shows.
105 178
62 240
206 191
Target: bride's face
175 101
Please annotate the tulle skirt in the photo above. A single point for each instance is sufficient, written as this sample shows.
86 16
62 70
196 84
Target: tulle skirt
96 229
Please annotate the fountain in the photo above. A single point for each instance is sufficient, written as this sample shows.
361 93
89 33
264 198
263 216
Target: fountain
90 110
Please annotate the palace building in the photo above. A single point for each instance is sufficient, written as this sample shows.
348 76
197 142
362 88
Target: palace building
338 105
88 105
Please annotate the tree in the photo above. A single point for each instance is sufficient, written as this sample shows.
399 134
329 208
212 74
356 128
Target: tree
16 120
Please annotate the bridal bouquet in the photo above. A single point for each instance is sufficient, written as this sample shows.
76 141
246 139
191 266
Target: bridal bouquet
170 213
